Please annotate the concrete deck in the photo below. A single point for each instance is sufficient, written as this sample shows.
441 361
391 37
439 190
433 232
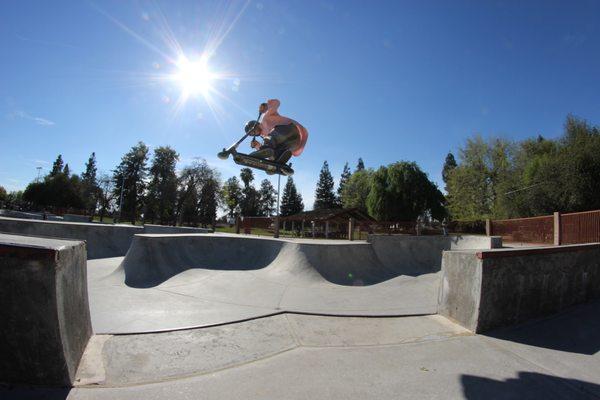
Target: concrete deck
305 357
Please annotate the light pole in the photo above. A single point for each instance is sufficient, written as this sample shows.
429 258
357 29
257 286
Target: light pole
121 197
276 231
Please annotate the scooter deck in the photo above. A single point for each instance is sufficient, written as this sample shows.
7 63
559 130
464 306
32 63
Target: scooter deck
262 164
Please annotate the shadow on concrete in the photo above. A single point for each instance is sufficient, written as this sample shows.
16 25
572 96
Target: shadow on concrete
528 385
26 393
577 330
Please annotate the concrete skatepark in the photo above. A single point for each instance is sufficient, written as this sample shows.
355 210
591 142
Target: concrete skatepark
181 314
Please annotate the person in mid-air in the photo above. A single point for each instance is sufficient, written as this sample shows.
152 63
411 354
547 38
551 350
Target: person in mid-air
282 136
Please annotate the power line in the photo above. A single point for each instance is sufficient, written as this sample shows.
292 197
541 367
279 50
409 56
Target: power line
534 185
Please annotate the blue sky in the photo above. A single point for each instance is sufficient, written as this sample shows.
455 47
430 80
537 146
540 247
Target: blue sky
381 80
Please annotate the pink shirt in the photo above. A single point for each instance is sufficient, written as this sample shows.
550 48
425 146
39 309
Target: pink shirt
271 119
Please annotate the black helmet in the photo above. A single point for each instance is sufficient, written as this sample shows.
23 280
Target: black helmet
250 128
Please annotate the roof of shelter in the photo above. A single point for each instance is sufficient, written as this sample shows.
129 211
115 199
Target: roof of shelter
330 214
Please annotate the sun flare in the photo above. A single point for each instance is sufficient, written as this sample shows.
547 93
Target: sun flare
194 77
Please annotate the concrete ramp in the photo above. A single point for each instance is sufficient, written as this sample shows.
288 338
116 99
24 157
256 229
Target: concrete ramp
154 259
168 282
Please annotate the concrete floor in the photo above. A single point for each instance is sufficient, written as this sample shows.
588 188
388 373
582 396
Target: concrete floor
254 339
306 357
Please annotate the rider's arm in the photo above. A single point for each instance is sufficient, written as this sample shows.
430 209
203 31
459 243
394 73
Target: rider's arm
272 106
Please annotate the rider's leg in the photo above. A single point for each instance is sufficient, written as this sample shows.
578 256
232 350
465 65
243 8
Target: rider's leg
265 153
284 138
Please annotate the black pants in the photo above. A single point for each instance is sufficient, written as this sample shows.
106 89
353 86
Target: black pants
282 138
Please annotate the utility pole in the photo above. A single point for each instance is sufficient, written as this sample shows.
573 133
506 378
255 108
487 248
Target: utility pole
39 169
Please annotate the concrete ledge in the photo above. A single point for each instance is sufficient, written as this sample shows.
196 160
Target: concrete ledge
424 253
103 240
45 314
29 215
482 290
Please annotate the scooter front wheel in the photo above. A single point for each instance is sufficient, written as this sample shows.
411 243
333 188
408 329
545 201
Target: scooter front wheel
223 155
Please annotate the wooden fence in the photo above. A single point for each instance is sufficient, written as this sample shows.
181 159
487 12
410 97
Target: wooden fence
528 230
557 229
581 227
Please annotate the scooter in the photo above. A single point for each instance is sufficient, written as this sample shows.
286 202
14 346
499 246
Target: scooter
270 167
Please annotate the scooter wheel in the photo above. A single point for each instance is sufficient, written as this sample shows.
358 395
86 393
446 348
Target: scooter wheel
223 155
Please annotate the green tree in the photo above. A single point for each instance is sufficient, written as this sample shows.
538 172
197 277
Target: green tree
249 204
291 200
194 196
469 187
501 179
14 200
564 175
3 196
402 192
130 179
162 189
232 196
357 189
106 194
360 165
57 167
209 201
89 185
57 192
267 195
324 196
449 166
344 178
189 214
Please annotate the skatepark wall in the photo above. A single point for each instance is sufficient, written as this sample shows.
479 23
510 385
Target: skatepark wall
103 240
28 215
45 313
424 253
487 289
76 218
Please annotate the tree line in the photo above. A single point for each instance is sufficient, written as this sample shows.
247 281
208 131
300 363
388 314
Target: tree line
492 178
138 188
151 189
498 178
397 192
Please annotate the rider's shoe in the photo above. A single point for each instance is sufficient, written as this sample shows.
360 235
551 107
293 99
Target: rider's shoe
284 157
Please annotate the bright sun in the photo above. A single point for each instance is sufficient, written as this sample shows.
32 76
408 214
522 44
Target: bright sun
194 77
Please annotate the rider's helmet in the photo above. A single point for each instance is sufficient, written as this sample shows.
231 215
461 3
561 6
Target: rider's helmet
250 128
